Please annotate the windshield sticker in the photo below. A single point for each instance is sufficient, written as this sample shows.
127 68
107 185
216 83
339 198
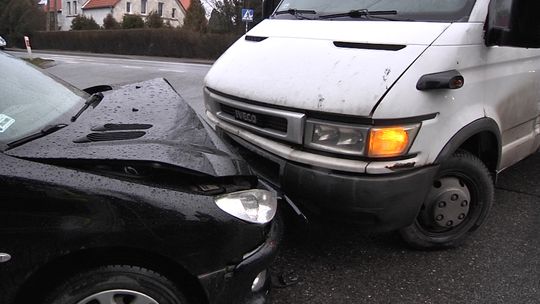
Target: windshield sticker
5 122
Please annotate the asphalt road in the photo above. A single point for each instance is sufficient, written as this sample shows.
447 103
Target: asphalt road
499 264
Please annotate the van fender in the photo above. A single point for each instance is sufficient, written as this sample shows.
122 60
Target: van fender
484 124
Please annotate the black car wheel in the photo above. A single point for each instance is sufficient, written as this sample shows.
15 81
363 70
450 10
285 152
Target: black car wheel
458 203
119 284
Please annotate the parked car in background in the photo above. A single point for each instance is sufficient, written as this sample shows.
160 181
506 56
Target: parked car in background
123 196
3 43
392 114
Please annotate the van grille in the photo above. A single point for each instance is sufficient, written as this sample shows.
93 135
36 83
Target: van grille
263 120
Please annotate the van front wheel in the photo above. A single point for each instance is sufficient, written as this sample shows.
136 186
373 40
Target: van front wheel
459 200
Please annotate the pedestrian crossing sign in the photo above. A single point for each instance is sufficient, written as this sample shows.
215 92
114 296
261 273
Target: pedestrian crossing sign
247 15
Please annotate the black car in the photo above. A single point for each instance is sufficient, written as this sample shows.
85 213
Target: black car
123 196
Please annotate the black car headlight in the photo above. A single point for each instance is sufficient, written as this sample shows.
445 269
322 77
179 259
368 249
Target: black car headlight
254 206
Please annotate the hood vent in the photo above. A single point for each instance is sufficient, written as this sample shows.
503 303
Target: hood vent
110 136
369 46
121 127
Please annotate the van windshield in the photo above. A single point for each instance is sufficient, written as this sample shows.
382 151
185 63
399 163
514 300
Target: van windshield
407 10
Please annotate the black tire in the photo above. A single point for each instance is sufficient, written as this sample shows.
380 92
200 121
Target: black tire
461 175
124 283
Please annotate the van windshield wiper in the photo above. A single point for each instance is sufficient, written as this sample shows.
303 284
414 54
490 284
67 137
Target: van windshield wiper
94 98
362 13
45 131
299 14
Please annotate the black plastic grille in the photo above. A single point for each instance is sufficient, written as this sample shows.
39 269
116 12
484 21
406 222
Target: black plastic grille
121 127
263 120
110 136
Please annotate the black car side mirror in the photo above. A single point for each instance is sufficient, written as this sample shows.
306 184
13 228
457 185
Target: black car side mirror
97 89
513 23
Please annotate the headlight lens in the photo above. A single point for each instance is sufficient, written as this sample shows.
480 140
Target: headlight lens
360 140
391 141
254 206
335 137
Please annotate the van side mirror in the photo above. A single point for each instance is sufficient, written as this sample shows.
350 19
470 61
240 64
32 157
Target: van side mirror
513 23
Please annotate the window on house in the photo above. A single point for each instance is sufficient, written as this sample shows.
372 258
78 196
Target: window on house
69 8
128 7
75 7
143 6
160 9
173 14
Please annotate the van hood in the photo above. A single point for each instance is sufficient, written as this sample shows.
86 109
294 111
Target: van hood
342 67
146 122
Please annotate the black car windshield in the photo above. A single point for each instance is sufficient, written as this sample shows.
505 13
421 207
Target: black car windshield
415 10
31 100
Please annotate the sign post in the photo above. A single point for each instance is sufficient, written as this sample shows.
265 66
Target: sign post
247 16
28 48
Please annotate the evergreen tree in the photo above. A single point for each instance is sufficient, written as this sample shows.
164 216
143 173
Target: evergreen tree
20 18
109 23
196 17
82 22
226 17
132 21
153 20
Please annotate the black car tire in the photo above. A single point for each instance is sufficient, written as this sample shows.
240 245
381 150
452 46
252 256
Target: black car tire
124 283
462 175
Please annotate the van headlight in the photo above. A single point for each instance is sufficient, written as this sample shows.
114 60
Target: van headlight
354 140
254 206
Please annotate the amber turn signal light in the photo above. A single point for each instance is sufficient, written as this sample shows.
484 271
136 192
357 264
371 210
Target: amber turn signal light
388 142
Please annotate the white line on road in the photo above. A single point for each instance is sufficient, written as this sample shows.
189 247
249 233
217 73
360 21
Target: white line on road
132 67
168 70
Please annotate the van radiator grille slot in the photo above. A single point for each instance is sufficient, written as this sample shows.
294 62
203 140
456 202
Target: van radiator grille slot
369 46
263 120
255 38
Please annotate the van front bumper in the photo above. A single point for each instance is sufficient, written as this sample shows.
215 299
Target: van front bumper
381 202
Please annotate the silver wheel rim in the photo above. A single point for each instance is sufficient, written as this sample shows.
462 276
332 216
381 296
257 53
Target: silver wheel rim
118 296
448 205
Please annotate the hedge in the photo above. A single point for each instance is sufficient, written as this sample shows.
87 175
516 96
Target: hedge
148 42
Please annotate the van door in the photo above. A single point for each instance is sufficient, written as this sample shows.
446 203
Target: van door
512 76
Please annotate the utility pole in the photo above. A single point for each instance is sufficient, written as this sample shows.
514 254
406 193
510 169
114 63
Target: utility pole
55 15
48 20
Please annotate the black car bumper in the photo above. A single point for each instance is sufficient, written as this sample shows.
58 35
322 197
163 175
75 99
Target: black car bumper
233 284
377 201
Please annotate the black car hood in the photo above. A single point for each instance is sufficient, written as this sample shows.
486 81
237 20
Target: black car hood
146 121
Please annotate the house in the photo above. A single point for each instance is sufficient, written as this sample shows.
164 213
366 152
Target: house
172 11
72 8
53 10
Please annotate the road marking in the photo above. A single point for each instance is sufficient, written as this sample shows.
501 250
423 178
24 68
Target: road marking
169 70
132 67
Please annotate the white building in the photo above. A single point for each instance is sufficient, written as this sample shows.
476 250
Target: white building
173 11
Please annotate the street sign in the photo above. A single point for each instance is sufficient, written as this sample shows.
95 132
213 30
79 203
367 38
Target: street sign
247 15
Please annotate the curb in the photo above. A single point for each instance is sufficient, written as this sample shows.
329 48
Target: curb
134 57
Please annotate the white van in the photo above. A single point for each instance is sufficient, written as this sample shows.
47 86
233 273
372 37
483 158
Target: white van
393 113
